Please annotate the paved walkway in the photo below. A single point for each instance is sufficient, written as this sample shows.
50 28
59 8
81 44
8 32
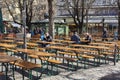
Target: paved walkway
104 72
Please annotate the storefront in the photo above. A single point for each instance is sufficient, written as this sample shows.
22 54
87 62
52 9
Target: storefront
61 27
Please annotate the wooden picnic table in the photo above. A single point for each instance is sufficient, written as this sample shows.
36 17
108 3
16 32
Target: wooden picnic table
99 49
33 52
70 49
5 59
89 46
102 44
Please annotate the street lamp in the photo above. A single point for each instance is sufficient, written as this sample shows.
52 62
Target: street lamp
103 24
87 16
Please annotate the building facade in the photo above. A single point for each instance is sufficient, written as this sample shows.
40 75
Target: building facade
100 9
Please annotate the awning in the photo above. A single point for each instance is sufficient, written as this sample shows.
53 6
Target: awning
15 24
100 21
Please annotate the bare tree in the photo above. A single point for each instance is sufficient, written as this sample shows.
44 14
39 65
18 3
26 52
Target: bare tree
12 4
31 10
51 17
117 3
78 10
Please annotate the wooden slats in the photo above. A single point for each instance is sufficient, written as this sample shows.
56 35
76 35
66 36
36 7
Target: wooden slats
26 65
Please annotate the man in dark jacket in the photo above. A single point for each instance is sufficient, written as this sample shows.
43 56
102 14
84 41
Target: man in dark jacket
105 35
75 37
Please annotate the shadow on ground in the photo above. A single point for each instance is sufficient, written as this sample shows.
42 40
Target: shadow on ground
3 78
114 76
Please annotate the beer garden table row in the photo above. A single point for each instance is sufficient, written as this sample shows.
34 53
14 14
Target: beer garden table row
78 48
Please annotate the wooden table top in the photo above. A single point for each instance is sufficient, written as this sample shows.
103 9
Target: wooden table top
102 44
33 52
9 37
45 42
28 43
7 41
29 51
8 45
7 58
89 46
70 49
44 54
63 41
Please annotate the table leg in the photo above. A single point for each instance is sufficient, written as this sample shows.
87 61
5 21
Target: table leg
6 70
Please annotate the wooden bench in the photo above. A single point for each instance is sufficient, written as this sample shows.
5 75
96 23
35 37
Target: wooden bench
108 54
68 59
67 53
26 66
87 56
46 61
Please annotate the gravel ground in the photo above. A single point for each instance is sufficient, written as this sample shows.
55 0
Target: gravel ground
104 72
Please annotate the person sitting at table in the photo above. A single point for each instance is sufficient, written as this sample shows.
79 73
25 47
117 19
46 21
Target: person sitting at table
47 38
42 36
88 37
75 37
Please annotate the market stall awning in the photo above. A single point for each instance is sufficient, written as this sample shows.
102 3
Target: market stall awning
15 24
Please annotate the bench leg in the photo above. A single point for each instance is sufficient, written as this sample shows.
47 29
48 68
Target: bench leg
6 70
52 68
94 62
77 65
30 74
84 59
22 74
13 70
68 65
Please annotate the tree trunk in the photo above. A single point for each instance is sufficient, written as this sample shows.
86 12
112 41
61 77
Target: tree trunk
51 17
81 23
80 26
24 22
119 25
118 2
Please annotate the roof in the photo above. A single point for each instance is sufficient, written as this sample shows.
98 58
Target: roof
100 21
47 20
15 24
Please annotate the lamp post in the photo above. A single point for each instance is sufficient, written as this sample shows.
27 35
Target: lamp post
1 19
86 16
103 24
24 22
